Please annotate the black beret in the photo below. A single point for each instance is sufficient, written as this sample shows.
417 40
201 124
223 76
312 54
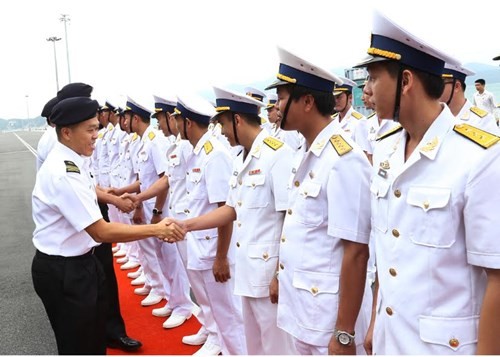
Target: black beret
47 109
74 90
74 110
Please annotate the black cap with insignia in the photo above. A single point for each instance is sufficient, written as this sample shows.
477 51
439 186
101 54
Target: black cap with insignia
74 90
74 110
47 108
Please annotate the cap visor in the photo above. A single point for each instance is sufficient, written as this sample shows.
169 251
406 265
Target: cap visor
369 59
276 84
496 58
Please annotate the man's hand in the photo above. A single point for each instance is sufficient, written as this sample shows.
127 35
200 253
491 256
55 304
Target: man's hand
221 270
274 290
132 196
124 204
170 231
138 216
335 348
367 344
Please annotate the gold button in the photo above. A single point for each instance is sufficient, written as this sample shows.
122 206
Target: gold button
253 184
239 224
282 266
426 204
169 207
454 342
239 203
314 290
283 239
397 193
289 211
186 211
297 183
395 233
389 311
240 181
207 237
265 255
393 272
238 244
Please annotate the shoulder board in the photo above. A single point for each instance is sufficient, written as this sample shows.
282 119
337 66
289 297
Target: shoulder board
479 112
357 115
480 137
110 128
208 147
100 135
134 137
151 135
390 132
263 120
335 115
273 143
71 167
341 146
371 115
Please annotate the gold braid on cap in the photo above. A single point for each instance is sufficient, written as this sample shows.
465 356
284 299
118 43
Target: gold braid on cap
222 109
383 53
286 78
177 111
445 75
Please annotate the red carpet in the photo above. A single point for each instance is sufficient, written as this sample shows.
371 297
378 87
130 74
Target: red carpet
145 327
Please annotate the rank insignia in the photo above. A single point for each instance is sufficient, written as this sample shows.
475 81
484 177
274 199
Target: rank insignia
71 167
254 172
197 169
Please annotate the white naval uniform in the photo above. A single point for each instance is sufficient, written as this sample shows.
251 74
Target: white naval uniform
435 221
260 198
60 222
113 146
356 125
376 128
485 101
328 202
102 156
45 145
478 117
151 162
292 138
207 183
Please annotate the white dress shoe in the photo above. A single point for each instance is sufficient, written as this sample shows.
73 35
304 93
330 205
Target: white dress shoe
208 349
175 320
141 280
122 260
135 274
145 290
164 311
120 253
197 339
129 265
151 299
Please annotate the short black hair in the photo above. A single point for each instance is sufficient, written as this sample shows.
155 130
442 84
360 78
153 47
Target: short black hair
325 101
480 81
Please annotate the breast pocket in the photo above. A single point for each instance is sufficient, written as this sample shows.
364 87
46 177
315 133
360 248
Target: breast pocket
196 189
379 204
317 297
256 196
175 170
262 262
431 212
310 208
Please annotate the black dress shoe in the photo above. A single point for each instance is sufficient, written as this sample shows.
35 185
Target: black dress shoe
124 343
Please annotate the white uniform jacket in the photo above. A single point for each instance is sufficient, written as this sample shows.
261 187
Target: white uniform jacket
259 196
435 224
329 201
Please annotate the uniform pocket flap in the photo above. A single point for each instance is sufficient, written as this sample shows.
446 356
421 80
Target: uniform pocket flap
310 189
379 188
428 198
263 251
316 283
254 180
453 332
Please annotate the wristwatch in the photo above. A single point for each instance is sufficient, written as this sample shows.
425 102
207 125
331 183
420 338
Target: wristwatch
343 337
157 212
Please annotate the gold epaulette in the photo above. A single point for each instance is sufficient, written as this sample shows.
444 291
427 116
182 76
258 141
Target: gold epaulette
390 132
357 115
263 120
273 143
371 115
208 147
335 115
71 167
480 137
100 135
151 135
479 112
134 137
340 145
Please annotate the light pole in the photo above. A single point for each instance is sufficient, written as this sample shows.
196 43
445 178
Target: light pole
28 105
54 39
65 18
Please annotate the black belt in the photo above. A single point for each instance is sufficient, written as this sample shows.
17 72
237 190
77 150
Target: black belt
60 257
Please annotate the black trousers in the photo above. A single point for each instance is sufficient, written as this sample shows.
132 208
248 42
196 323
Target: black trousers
74 295
115 327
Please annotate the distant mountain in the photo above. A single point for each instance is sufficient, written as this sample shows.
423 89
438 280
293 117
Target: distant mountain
491 74
17 124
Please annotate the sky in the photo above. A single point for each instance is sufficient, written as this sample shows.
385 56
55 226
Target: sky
165 47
